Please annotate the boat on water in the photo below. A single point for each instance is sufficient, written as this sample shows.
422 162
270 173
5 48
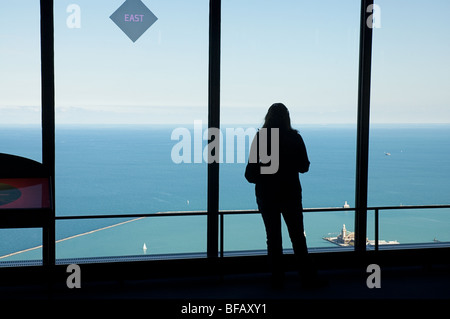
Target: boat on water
144 248
347 238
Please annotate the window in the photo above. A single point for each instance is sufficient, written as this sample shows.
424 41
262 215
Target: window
131 112
20 80
287 51
118 100
409 161
20 104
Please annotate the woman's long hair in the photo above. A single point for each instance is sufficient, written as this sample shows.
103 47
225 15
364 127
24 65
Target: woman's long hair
278 116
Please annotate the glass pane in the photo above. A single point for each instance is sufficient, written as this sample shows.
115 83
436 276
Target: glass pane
144 237
20 80
286 51
411 226
119 99
20 108
246 232
409 157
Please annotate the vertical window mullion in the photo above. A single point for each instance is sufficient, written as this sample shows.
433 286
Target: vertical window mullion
213 122
48 117
362 148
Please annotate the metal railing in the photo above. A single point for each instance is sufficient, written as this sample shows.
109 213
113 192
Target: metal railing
223 213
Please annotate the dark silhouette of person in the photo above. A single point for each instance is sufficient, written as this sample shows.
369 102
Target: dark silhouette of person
280 193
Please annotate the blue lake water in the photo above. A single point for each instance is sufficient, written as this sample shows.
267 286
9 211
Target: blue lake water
128 169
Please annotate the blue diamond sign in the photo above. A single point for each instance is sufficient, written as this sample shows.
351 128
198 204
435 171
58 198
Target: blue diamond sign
133 18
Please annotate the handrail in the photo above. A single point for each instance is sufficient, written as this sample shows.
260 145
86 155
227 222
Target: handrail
244 211
136 215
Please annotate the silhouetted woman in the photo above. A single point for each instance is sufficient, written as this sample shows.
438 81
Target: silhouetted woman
280 193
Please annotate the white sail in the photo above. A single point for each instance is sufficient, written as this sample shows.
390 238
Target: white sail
144 248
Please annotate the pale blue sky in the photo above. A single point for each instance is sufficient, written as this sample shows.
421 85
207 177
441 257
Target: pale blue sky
302 53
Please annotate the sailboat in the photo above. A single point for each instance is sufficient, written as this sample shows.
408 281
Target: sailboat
144 248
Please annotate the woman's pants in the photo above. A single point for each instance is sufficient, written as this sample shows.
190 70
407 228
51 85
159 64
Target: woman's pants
292 212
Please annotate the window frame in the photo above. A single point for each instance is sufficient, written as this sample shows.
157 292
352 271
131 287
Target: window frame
363 122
